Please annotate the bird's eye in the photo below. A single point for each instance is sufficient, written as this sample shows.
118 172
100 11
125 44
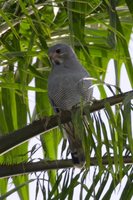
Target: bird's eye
58 50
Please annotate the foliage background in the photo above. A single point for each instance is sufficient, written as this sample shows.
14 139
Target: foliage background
98 31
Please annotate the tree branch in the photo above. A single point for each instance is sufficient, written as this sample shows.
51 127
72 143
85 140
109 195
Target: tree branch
40 126
25 168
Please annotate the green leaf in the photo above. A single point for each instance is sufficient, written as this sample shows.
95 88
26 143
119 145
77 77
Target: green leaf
16 189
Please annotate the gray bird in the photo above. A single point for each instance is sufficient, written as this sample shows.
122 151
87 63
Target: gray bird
68 85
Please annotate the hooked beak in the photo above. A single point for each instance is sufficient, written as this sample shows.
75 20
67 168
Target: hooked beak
55 58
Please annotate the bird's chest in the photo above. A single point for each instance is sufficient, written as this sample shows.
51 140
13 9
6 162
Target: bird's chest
63 84
63 90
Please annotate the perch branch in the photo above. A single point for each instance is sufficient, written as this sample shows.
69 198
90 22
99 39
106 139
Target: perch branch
24 168
40 126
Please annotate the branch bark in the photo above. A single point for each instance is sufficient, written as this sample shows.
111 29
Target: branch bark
40 126
25 168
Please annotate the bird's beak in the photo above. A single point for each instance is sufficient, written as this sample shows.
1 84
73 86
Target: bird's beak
53 56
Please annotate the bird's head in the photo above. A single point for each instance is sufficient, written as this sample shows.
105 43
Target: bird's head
60 53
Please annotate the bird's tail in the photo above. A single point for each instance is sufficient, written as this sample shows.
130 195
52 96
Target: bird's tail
75 145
